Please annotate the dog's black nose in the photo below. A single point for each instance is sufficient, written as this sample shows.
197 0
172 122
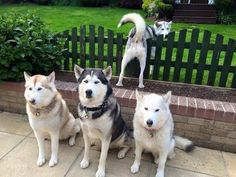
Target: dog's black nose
88 93
32 101
149 122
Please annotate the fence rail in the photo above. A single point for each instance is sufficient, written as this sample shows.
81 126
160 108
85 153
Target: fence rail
185 56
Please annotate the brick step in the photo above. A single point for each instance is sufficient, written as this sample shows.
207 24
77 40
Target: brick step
195 7
192 19
195 13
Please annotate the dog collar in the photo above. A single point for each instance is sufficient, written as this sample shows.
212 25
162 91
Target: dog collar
97 111
37 111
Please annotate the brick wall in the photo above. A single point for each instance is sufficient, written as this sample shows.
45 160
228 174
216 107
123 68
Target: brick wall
207 123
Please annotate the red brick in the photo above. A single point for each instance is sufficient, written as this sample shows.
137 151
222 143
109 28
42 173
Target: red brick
12 86
201 108
191 107
132 101
182 105
229 114
174 104
126 97
210 110
219 111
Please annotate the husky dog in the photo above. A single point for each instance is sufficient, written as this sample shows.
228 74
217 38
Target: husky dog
136 46
153 131
48 114
100 115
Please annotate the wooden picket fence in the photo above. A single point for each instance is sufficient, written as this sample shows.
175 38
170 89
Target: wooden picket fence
185 56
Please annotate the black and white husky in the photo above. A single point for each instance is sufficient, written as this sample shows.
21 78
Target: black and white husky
136 46
100 115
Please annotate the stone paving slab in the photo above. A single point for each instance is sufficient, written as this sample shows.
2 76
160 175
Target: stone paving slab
230 162
18 155
8 141
200 160
14 123
21 162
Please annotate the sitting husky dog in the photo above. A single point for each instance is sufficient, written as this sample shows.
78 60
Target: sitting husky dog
48 113
136 46
100 115
153 131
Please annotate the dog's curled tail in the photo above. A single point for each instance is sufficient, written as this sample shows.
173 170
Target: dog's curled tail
139 24
183 143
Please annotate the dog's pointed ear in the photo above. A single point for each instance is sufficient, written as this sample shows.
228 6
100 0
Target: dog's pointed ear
51 77
78 71
108 72
167 97
170 23
157 24
26 76
139 96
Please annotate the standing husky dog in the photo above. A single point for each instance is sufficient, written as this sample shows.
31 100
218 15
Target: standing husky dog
48 113
100 115
153 131
136 46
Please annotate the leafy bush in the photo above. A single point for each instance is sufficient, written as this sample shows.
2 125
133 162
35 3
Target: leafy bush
26 45
134 4
225 5
93 3
164 8
226 11
42 2
66 2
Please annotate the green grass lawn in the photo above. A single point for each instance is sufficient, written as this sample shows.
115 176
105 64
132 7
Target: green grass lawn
59 18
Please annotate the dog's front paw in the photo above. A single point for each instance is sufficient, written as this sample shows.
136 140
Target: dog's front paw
119 84
140 86
84 163
72 141
100 173
41 161
121 154
134 168
53 161
160 174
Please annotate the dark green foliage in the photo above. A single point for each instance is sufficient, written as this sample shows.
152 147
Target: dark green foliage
93 3
65 2
134 4
26 45
165 10
226 11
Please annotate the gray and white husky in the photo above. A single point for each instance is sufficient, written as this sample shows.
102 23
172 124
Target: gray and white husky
48 115
136 46
153 131
100 115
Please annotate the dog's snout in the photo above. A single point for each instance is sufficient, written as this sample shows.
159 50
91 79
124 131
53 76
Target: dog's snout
88 93
32 101
149 122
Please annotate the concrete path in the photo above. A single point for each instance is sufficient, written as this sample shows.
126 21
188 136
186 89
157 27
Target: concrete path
18 154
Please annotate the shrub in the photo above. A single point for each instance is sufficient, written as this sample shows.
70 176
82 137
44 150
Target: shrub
165 10
134 4
153 7
225 5
26 45
93 3
66 2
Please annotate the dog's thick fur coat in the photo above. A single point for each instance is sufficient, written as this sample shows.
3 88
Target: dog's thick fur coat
136 46
100 115
48 115
153 131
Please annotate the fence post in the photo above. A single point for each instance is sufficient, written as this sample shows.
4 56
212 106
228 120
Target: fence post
91 46
82 46
100 46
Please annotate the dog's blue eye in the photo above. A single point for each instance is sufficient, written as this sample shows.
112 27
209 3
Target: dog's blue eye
157 110
146 109
39 89
30 88
86 81
96 82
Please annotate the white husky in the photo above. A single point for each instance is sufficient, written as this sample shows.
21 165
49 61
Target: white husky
136 46
153 131
48 114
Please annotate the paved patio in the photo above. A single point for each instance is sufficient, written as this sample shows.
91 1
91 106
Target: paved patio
18 154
